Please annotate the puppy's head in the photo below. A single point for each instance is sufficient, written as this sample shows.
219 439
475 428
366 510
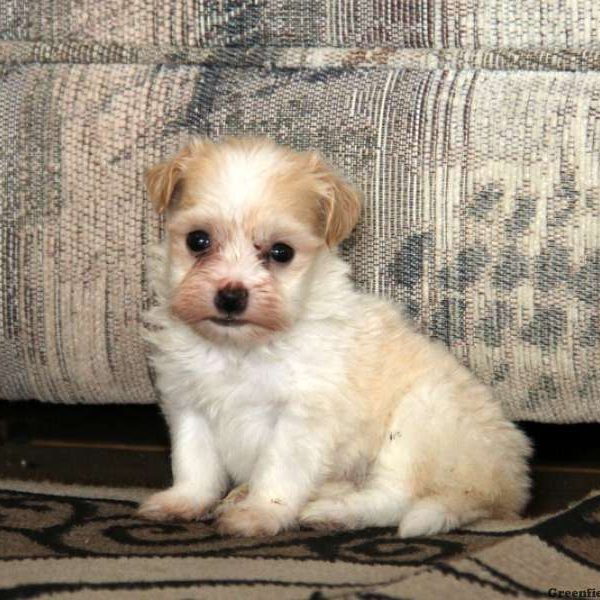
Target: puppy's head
246 222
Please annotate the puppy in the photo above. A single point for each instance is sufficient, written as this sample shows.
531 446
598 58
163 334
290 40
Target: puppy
276 375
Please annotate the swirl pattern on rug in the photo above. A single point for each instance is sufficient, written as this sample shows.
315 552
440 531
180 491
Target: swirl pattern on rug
72 543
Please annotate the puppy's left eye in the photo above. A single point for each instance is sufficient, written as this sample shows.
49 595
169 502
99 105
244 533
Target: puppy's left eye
281 253
198 241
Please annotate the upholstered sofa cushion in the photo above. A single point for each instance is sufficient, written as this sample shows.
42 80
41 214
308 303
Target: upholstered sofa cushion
553 25
473 131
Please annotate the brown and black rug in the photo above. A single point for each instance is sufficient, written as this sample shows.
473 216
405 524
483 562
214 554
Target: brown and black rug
83 542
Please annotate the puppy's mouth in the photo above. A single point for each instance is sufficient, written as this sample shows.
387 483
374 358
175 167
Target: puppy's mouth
227 322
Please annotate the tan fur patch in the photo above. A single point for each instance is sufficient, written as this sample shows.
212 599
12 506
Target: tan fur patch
300 185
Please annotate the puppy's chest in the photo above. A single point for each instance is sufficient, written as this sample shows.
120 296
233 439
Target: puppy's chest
244 396
243 404
224 382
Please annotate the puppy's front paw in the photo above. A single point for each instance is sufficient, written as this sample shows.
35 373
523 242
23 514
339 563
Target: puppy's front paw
174 504
248 519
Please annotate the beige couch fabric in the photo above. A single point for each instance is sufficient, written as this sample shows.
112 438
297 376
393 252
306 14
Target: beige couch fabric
472 128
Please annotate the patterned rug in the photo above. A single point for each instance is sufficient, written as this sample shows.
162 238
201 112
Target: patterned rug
83 542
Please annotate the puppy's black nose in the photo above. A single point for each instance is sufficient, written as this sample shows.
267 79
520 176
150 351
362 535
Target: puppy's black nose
232 300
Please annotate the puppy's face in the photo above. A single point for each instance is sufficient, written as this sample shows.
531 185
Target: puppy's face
246 222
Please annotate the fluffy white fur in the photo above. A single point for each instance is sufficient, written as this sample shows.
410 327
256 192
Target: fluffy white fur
336 413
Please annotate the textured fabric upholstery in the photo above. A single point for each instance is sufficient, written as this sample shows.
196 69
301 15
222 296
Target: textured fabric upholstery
472 128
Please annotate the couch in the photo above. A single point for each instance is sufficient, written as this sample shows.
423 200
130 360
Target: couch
472 128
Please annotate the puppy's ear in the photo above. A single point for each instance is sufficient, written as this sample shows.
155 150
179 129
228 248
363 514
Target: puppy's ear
163 181
340 202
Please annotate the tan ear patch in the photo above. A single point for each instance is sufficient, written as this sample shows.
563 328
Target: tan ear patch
163 180
341 202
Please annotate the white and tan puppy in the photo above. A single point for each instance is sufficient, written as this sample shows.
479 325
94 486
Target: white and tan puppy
276 375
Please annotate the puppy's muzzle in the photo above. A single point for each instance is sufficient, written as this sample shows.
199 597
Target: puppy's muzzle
232 300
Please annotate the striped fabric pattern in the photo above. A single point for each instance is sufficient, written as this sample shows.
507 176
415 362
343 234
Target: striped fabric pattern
552 24
472 129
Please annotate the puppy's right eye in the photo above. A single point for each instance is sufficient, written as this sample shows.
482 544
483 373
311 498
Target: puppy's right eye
281 253
198 241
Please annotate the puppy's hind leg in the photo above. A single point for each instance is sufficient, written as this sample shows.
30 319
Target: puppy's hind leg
386 506
439 514
378 504
381 501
